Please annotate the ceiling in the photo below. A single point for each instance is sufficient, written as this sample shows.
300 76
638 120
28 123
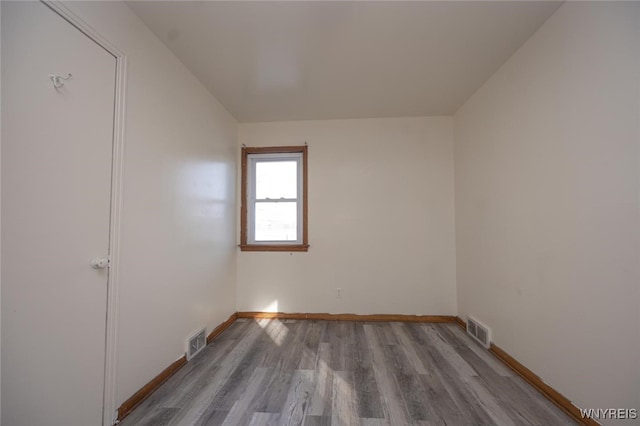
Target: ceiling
277 61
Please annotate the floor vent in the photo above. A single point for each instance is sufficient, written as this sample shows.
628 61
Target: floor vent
196 343
479 331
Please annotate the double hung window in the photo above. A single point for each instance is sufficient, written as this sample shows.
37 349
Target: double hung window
274 201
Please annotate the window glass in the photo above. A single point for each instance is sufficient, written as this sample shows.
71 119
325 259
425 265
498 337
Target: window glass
276 179
276 221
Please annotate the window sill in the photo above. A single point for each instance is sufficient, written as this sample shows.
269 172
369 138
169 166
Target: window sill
274 247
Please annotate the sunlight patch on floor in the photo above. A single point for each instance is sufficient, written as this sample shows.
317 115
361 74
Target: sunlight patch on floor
275 329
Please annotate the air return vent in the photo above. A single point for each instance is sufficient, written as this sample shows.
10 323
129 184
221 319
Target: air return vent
196 343
479 331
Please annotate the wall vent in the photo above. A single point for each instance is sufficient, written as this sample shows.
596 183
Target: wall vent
479 332
196 343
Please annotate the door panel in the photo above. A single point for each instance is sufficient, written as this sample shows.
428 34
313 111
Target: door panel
56 186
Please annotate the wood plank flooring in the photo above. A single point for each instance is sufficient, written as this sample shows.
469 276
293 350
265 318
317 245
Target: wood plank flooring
304 372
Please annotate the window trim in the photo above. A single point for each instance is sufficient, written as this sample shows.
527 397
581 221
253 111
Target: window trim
253 201
245 245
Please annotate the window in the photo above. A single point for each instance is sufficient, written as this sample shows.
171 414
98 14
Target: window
274 199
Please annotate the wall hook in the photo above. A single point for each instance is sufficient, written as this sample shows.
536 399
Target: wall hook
57 80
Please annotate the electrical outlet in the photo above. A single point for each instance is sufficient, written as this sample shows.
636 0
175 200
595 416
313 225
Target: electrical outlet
339 293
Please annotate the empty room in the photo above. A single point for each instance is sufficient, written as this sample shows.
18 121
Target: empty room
319 213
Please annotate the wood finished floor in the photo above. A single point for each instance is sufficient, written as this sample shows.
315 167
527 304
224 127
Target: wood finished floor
272 372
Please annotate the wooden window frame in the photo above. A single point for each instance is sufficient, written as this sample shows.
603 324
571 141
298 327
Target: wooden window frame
244 245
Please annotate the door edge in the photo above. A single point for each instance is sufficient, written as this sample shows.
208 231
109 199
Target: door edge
109 413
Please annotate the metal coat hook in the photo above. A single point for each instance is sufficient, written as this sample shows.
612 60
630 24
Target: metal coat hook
56 80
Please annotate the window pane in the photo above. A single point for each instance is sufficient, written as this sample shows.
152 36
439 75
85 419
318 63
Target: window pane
276 221
276 179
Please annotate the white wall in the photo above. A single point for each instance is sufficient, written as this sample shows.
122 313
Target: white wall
381 220
547 199
177 269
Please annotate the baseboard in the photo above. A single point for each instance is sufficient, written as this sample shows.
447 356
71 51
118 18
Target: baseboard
348 317
534 380
222 327
128 406
136 399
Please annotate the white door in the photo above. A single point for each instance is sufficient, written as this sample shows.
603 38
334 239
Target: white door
56 185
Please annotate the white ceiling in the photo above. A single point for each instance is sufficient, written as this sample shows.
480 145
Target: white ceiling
271 61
